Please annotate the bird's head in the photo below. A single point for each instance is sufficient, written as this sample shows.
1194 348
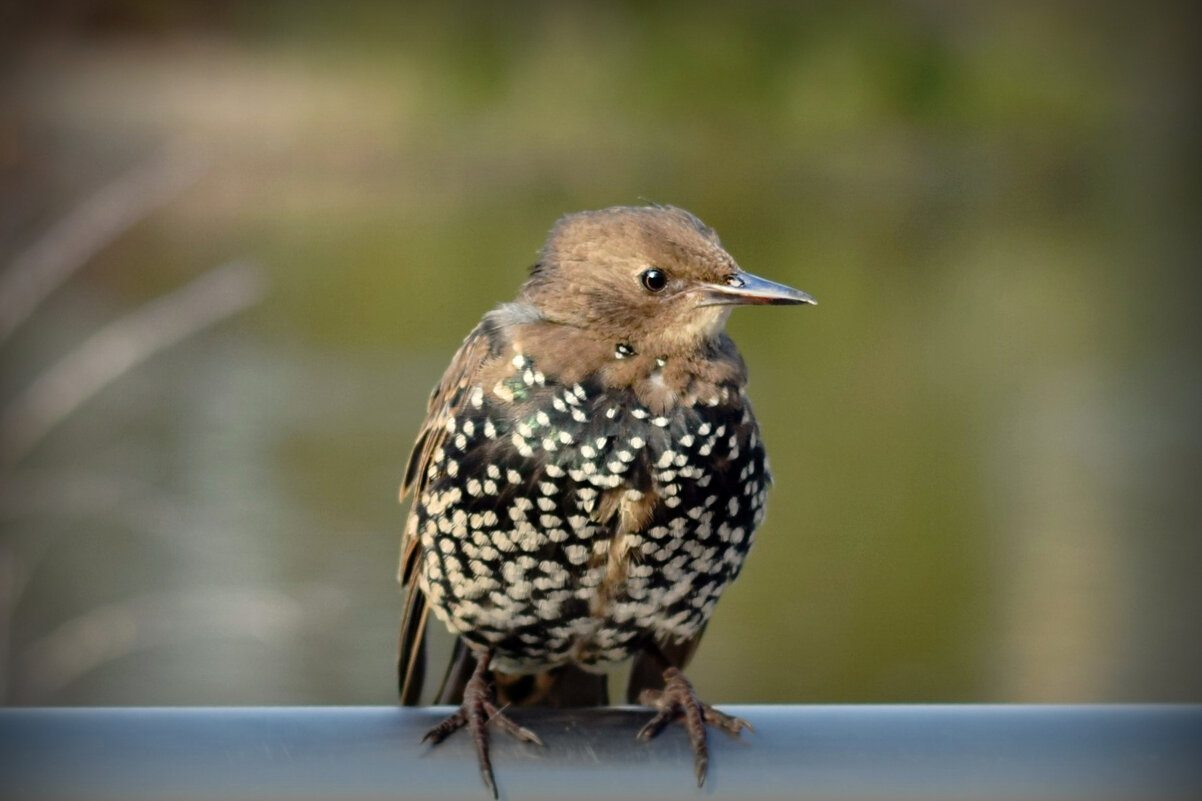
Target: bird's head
653 278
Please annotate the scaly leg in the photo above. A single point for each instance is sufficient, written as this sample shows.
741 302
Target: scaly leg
478 709
678 701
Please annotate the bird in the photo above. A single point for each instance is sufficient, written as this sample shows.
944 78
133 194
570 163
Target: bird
588 480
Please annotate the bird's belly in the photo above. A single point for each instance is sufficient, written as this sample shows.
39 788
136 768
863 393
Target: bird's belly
548 540
538 613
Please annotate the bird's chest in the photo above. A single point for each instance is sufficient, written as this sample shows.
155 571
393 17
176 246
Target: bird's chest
566 523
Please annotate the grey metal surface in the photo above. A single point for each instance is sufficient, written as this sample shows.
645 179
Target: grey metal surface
801 752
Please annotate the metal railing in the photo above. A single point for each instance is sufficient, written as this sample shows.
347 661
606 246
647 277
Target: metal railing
799 752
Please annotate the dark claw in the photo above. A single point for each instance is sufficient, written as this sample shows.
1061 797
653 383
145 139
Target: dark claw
439 733
657 723
476 712
678 701
520 732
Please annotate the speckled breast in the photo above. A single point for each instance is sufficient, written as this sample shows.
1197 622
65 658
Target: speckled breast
566 523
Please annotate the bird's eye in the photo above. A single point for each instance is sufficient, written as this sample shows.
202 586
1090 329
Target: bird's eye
654 280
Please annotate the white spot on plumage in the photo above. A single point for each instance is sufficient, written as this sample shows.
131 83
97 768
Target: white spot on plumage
528 538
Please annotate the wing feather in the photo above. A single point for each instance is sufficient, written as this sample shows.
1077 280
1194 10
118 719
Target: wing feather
445 401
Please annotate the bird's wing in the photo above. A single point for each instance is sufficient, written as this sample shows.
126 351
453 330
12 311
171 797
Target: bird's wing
445 401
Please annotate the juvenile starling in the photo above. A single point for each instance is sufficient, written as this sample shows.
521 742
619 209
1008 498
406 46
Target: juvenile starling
588 479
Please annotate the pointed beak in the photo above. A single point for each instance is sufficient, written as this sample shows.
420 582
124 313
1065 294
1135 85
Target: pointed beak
747 289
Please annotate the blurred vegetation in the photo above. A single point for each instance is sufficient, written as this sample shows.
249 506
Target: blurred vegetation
986 437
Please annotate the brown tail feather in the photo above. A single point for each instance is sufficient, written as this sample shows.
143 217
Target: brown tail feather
411 657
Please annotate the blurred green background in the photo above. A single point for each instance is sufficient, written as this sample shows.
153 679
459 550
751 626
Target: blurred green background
986 438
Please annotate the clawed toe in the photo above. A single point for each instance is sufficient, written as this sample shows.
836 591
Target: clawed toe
678 701
476 712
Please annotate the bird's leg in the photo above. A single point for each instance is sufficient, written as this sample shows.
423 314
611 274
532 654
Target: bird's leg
479 708
678 701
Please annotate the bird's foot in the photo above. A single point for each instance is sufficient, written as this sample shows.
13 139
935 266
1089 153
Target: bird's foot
678 701
479 708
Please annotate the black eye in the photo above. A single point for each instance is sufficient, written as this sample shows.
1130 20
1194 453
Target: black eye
654 280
